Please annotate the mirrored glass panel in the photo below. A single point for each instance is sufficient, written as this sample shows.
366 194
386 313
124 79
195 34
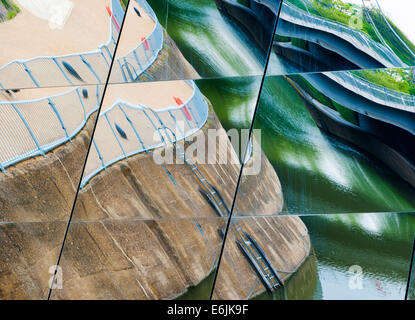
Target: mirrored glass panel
314 35
140 259
339 142
342 256
193 39
260 255
59 43
411 283
159 151
320 191
44 137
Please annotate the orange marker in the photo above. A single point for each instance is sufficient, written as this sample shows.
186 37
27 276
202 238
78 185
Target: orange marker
113 18
145 43
109 10
179 102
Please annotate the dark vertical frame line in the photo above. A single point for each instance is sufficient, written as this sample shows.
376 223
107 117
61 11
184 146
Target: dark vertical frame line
87 154
408 283
246 150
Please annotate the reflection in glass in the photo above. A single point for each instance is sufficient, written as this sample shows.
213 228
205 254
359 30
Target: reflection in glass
362 256
337 142
355 256
140 259
260 255
211 38
411 282
151 212
331 35
46 48
152 135
44 137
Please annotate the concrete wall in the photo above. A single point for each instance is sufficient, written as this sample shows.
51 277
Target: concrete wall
36 198
117 245
285 241
124 243
42 188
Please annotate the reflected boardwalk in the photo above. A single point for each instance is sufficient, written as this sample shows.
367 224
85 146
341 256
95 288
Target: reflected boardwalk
73 69
33 127
124 129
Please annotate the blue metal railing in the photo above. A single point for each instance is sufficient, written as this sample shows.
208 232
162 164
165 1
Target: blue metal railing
376 92
32 133
124 130
73 69
34 127
359 39
132 65
88 67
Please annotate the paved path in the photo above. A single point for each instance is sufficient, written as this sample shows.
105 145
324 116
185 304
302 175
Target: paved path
30 94
27 36
135 28
15 139
157 95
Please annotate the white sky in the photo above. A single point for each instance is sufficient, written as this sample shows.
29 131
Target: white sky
401 12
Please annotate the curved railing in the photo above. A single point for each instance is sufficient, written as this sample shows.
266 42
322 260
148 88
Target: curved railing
393 30
124 130
33 127
132 65
376 92
73 69
358 38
